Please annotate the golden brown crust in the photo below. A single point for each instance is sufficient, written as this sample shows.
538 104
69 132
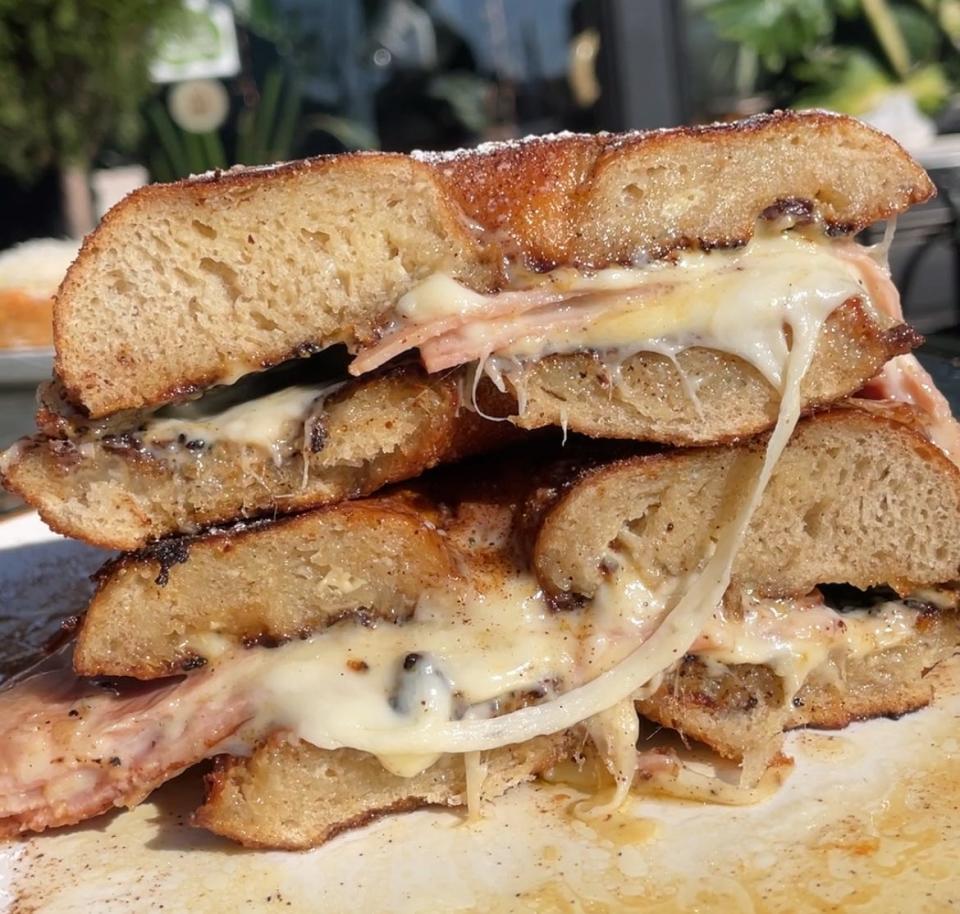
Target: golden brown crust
546 195
819 517
572 199
250 800
110 492
260 583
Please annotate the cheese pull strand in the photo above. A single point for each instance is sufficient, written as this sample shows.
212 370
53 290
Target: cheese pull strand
667 644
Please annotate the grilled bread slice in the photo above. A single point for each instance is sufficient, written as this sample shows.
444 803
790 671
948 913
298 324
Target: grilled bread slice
262 583
116 490
651 399
292 795
856 498
740 709
244 269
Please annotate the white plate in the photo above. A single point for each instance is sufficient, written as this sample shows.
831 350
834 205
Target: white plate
25 366
869 821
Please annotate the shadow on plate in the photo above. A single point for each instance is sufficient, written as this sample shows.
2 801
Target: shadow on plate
175 802
41 584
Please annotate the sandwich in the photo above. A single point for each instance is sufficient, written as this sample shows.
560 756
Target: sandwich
444 640
634 287
432 472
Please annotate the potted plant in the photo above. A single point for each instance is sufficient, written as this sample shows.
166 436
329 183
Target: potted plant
73 74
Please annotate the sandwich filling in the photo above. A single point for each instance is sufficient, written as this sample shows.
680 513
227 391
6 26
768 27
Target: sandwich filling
496 666
737 302
389 688
740 302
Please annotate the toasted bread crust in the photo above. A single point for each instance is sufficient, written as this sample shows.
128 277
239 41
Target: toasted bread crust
267 582
818 521
896 537
341 790
581 200
377 431
549 196
650 402
739 709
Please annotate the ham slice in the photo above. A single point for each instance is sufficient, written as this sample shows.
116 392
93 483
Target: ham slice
406 335
476 340
903 379
71 749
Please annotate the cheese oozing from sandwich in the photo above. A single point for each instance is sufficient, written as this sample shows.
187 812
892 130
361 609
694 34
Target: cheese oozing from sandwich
390 688
735 301
804 282
766 302
273 423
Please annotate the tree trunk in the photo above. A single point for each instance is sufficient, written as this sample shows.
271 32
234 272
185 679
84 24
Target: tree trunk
76 199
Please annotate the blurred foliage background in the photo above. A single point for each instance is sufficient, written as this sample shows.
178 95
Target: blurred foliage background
840 54
317 76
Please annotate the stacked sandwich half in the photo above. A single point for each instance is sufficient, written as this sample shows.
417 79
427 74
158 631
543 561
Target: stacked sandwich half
691 476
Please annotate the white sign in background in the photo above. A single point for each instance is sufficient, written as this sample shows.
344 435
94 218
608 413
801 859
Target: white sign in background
200 43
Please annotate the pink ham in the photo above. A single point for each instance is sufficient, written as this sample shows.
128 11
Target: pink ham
408 335
476 340
70 749
506 319
903 379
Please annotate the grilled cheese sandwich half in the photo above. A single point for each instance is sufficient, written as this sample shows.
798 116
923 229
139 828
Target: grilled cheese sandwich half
420 624
240 270
698 358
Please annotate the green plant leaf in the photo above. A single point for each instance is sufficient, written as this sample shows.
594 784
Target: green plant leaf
351 134
887 31
281 144
73 75
847 8
777 30
170 137
920 32
842 79
467 94
266 113
930 87
948 17
213 150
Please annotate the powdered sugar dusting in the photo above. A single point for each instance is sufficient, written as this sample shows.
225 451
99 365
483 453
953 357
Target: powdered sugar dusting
499 147
496 147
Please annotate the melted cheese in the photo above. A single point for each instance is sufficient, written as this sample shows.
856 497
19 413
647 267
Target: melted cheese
737 302
475 773
795 638
272 423
398 690
510 645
